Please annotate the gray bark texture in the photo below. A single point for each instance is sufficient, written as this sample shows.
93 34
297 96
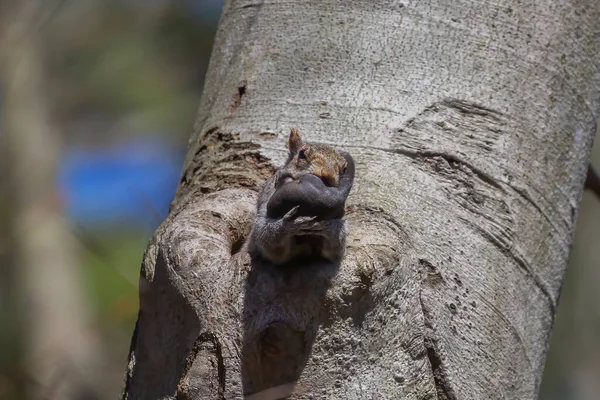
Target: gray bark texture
470 123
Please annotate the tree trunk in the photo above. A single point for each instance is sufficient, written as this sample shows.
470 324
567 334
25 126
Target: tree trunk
470 124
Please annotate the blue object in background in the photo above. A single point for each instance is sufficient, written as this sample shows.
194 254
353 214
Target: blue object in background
208 9
130 184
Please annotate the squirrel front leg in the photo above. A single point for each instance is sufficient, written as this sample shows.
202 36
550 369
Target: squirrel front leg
274 238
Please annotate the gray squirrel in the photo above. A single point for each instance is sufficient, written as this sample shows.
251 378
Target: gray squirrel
300 208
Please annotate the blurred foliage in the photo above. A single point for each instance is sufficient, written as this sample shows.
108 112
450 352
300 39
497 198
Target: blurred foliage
129 63
114 69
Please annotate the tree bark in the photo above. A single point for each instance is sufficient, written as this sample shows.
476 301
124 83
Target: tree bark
470 124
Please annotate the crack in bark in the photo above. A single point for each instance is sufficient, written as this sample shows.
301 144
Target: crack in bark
510 326
453 159
525 195
251 5
450 158
216 351
444 390
521 262
237 96
467 107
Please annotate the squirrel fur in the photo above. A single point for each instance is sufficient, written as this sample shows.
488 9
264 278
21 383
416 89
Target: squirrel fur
301 207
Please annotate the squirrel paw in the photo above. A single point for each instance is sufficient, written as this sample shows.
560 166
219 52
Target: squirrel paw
290 215
308 226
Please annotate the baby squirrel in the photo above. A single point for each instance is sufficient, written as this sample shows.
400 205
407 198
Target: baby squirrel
300 208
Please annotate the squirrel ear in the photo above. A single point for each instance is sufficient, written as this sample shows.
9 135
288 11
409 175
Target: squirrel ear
294 141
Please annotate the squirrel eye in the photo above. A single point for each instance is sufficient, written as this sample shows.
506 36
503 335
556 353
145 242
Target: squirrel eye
301 155
344 170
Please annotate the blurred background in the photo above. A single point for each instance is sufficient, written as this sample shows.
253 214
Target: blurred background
97 101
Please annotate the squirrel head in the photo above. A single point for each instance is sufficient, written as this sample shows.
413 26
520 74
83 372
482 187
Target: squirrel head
317 159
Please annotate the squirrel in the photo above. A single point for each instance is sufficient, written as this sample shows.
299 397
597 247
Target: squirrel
300 208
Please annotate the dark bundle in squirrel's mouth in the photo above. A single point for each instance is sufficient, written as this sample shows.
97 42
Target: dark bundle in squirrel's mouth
311 195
